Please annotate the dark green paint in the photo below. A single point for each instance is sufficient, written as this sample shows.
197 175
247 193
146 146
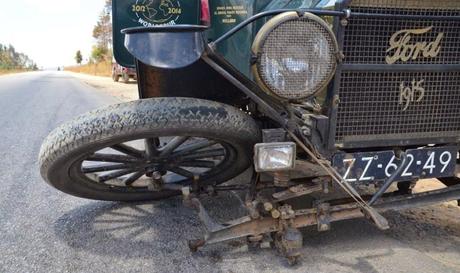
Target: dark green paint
238 48
225 14
149 13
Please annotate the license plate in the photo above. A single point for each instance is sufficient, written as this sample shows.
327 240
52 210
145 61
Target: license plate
375 166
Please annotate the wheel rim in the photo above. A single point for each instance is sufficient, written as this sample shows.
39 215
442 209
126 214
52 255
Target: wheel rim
134 164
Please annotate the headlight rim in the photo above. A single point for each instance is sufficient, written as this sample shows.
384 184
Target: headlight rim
262 36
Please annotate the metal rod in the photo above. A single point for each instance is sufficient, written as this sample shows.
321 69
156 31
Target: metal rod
331 172
390 180
420 199
265 107
231 188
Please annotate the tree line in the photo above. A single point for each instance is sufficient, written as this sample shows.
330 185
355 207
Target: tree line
10 59
102 33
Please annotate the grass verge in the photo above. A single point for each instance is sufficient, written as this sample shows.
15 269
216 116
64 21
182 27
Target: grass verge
11 71
100 69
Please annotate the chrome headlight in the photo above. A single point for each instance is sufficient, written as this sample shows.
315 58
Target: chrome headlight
296 56
271 157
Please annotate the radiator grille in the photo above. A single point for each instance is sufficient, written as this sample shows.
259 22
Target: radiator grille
370 106
367 40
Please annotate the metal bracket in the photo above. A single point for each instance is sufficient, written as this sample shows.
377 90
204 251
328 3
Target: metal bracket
297 191
323 215
289 242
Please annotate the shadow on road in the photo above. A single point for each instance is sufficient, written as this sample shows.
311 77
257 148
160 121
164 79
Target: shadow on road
161 229
134 229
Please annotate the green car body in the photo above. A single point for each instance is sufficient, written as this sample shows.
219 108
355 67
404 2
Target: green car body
224 15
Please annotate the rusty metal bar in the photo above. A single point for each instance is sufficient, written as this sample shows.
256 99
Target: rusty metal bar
244 227
420 199
249 228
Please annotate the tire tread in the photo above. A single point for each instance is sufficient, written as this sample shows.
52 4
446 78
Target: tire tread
144 115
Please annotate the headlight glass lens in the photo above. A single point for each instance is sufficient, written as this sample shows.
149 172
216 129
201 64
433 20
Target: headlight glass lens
297 56
275 156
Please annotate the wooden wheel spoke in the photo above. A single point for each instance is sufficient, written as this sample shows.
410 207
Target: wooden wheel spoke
204 154
181 171
125 149
172 145
175 157
105 168
133 178
194 147
113 175
151 147
198 164
112 158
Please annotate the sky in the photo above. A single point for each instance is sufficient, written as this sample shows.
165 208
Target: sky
49 31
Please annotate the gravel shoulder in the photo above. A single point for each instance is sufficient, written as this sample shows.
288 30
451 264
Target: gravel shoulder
119 90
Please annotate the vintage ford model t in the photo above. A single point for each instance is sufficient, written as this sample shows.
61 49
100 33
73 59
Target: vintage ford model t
343 104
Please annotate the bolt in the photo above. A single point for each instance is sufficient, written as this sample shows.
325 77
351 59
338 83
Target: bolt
186 191
194 245
275 214
156 175
283 215
324 227
268 206
295 189
265 244
326 187
306 131
256 238
251 206
336 101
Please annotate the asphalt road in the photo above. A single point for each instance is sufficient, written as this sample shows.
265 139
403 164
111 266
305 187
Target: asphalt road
43 230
